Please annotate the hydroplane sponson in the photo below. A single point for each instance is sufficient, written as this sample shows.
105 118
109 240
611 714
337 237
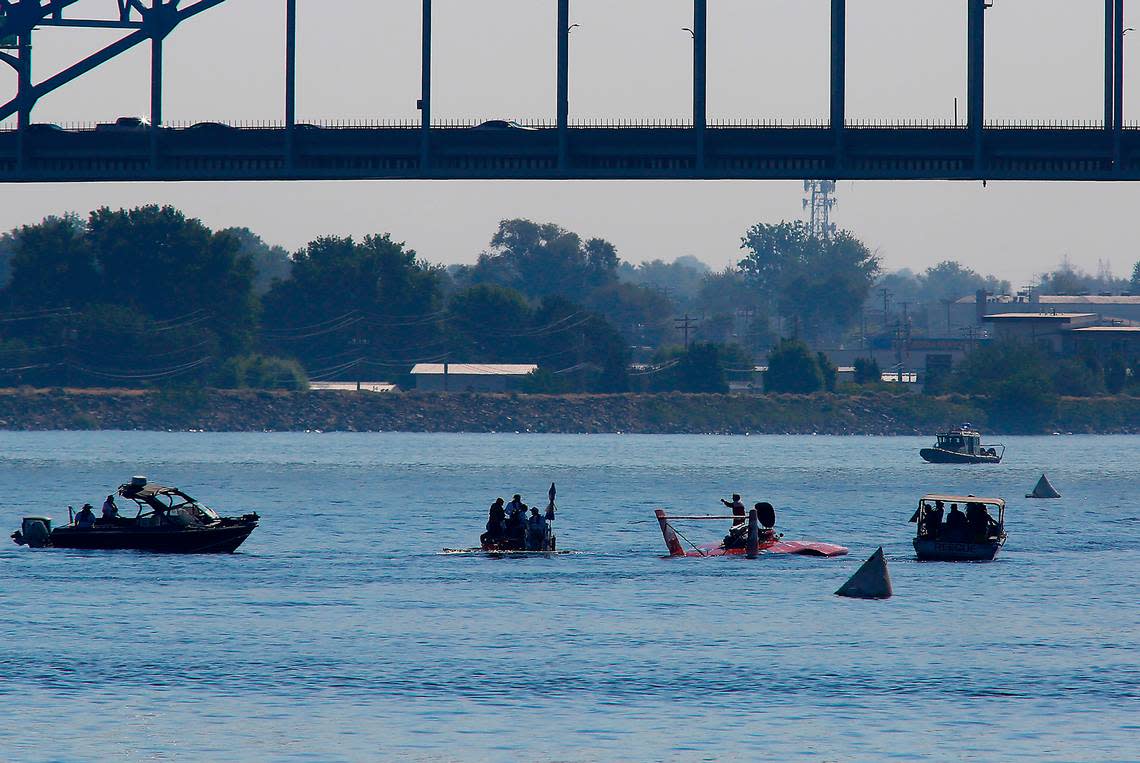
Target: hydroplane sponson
749 539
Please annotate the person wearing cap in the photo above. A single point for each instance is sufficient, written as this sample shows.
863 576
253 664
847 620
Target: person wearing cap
86 517
739 513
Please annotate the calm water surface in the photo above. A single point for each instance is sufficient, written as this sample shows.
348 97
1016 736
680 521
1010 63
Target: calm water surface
339 632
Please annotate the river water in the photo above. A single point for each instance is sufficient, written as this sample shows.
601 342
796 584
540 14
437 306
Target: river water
339 632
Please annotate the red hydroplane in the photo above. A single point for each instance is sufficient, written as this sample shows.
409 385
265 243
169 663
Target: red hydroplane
768 541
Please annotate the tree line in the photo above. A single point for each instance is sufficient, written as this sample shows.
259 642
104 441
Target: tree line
148 296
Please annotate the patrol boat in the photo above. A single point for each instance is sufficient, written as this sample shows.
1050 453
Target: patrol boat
962 446
977 537
167 521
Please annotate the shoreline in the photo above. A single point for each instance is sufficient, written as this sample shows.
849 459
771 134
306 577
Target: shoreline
873 413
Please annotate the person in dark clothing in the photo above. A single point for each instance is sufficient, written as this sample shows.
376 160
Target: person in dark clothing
934 520
739 513
956 524
86 517
496 523
516 527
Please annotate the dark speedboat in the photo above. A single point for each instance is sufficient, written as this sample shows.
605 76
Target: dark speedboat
167 521
974 535
962 446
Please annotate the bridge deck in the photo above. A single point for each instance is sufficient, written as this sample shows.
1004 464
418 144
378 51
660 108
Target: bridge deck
620 153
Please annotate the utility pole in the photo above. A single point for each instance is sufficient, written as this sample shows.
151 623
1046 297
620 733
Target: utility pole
685 324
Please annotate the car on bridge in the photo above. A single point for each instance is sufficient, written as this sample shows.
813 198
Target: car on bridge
501 124
124 124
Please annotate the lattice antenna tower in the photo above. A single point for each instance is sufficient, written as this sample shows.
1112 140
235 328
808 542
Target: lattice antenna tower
818 200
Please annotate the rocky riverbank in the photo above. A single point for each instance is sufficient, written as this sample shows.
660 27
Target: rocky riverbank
250 411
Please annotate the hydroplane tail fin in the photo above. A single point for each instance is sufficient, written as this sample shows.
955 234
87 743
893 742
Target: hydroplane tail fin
670 535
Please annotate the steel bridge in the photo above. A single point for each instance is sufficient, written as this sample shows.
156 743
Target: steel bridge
697 149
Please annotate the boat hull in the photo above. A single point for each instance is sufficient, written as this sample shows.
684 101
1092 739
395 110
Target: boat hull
948 551
797 547
942 456
203 540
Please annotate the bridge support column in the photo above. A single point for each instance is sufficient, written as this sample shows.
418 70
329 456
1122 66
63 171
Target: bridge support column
700 77
25 98
838 75
290 83
976 78
425 89
1118 85
1109 58
156 82
563 108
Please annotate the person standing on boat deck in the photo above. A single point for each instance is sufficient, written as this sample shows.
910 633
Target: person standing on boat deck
86 517
934 520
956 524
739 513
515 506
496 522
535 531
110 510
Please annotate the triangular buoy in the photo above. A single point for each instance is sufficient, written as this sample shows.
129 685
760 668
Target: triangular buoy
1044 489
871 581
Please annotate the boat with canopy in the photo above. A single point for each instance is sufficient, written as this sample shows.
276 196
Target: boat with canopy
167 520
974 535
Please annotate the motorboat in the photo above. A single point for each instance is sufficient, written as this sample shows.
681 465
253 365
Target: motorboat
749 537
953 535
519 535
962 446
167 520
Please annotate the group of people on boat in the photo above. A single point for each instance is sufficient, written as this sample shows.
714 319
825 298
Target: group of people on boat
975 525
86 518
738 533
517 527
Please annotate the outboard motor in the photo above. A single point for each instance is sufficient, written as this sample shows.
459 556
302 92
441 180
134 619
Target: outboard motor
34 532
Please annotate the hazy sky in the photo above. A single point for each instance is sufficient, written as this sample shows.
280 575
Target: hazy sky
629 58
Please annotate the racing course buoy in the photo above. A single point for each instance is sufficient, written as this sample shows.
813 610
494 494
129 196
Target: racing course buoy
1044 489
870 581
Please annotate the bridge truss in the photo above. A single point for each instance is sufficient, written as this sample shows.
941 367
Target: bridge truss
696 150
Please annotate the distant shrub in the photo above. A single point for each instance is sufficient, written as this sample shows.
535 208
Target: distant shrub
256 371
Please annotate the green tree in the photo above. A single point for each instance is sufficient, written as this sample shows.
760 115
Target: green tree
270 263
128 297
792 368
1078 377
165 265
260 372
827 370
579 347
867 371
350 308
820 283
1134 284
490 324
1017 379
952 280
540 259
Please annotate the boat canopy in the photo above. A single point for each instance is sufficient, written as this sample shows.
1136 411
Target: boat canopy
150 490
151 494
1000 502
